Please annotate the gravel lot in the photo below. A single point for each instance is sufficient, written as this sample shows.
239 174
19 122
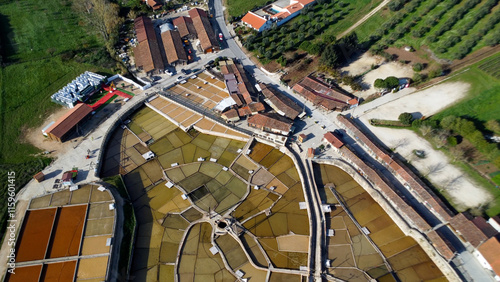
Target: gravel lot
364 64
436 166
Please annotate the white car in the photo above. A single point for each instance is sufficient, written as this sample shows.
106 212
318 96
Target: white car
169 72
180 78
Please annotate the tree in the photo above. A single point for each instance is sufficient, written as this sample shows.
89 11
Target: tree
425 130
395 5
391 82
379 84
101 15
418 67
452 141
417 78
405 118
330 56
436 72
448 122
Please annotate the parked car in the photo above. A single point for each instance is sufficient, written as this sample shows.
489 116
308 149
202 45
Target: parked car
220 36
180 78
209 64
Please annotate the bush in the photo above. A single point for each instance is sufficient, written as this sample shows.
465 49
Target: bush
392 82
405 118
448 122
452 141
436 72
418 67
418 78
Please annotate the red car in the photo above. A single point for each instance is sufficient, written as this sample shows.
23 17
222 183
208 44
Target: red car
220 36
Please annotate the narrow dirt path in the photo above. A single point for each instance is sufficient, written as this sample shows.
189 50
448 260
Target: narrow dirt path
363 19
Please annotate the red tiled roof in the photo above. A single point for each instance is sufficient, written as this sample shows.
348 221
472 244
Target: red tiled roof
172 44
147 53
64 124
353 101
331 138
321 88
490 251
230 114
387 189
320 94
237 99
185 26
467 229
254 20
244 111
280 101
153 4
244 87
256 107
204 29
305 2
144 28
267 122
442 246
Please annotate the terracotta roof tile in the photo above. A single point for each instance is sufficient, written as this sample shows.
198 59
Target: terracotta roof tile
268 122
230 114
490 251
204 29
69 120
442 245
333 139
280 102
147 53
256 107
467 229
172 44
254 20
185 26
154 4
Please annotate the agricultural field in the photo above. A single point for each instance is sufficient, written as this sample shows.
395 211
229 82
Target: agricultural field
318 24
42 50
53 228
449 29
195 175
352 255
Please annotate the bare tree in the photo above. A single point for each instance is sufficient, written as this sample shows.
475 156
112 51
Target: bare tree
459 154
102 15
425 130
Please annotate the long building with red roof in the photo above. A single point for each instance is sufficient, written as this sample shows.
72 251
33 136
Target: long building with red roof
204 30
147 53
66 125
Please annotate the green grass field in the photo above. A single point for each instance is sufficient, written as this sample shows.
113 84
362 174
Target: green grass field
44 47
481 104
483 100
39 29
241 7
